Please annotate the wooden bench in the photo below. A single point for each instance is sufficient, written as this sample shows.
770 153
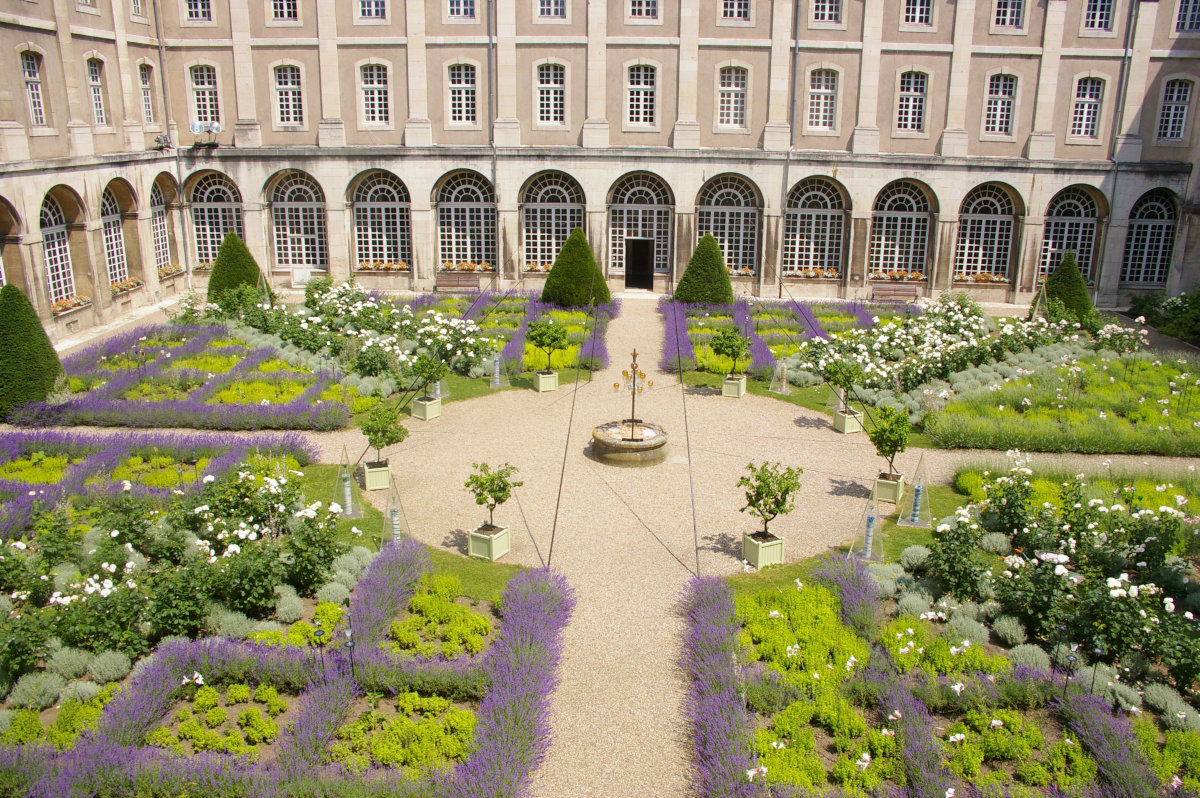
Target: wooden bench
450 281
894 293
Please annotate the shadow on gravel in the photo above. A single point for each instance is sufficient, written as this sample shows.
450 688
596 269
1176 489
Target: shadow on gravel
812 423
724 543
456 540
703 390
848 487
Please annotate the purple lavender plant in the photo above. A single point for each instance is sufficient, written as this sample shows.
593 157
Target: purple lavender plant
677 347
849 578
384 590
1109 739
921 751
805 314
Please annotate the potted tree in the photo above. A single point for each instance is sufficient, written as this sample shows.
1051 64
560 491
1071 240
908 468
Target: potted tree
549 338
843 375
769 488
890 436
733 345
491 488
428 371
383 429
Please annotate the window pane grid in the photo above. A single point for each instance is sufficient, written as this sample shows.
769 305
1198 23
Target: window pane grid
822 99
1098 15
462 93
144 77
552 8
1176 96
641 95
1009 13
643 9
135 8
199 10
31 67
1085 117
158 229
382 221
204 90
216 210
114 239
910 113
1151 240
1188 20
466 211
813 227
728 211
372 9
827 10
285 9
732 106
918 12
735 9
375 94
1002 90
462 8
60 278
552 94
641 208
984 243
289 94
96 84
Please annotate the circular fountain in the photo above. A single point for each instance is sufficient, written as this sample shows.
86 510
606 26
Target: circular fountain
631 442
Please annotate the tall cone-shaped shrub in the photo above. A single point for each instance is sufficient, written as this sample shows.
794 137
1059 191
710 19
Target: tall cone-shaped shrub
234 266
706 279
28 363
1066 285
575 279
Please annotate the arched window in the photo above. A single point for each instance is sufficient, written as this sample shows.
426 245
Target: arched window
114 238
729 210
159 231
216 210
813 228
1151 239
60 276
640 207
298 218
382 221
900 230
985 231
1070 227
551 207
466 208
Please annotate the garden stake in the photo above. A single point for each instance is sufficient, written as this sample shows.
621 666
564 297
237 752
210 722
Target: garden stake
1071 659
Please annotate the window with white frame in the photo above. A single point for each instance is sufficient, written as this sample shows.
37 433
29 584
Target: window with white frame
552 94
985 232
1085 115
552 9
95 74
1188 20
135 8
31 69
373 86
461 9
1071 221
113 232
829 11
285 10
1010 13
1098 15
998 113
382 222
1172 119
159 229
822 99
466 210
736 10
813 228
298 222
551 207
199 11
216 210
56 249
146 78
1151 239
641 85
731 99
643 9
204 93
289 97
918 12
640 206
729 210
910 109
372 9
899 230
462 94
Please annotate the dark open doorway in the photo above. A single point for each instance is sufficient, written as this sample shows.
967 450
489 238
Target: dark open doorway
639 263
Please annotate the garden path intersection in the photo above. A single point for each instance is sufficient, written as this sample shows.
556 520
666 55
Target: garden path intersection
625 538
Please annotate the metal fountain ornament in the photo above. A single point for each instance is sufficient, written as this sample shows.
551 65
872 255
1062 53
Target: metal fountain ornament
631 441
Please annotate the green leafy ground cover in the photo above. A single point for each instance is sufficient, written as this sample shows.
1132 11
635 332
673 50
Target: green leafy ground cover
436 625
409 732
238 719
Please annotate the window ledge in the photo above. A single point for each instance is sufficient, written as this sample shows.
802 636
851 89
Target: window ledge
910 134
1003 138
40 130
913 27
1084 141
643 21
820 131
826 25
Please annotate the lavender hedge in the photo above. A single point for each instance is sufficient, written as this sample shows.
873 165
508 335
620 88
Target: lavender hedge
1110 740
805 314
849 578
677 347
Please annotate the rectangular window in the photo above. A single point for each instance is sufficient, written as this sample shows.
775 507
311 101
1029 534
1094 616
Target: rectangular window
289 95
1188 20
735 9
135 8
372 9
827 10
31 67
643 9
1085 117
731 110
998 118
199 10
552 94
285 10
641 95
204 93
554 9
95 72
918 12
145 74
1177 94
822 99
1009 13
462 9
1098 15
375 94
462 94
910 111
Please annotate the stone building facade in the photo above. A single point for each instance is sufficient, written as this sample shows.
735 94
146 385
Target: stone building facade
832 146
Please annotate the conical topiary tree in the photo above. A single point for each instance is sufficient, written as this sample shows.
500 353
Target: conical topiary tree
575 279
234 266
706 279
1066 285
29 365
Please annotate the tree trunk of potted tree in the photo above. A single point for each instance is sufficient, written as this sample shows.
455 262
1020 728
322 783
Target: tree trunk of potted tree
842 376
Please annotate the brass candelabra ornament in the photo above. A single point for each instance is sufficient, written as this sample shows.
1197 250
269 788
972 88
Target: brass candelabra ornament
635 382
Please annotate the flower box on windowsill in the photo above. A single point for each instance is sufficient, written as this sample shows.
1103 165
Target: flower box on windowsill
899 276
813 274
538 268
169 273
125 287
65 307
466 266
383 267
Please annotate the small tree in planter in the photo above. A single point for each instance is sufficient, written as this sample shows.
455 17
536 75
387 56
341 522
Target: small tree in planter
843 375
733 345
547 337
769 488
890 436
427 371
491 489
383 429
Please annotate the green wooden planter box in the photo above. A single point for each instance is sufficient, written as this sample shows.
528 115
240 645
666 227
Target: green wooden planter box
543 381
488 543
847 422
734 387
427 408
889 490
761 553
377 476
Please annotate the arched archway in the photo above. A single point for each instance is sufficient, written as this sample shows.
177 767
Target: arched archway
814 228
298 228
118 230
164 201
640 210
216 210
987 223
551 207
900 228
466 212
729 208
12 269
382 222
64 251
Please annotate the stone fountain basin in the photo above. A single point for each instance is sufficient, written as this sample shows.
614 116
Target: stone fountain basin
610 444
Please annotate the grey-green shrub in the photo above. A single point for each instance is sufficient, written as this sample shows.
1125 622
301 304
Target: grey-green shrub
109 666
140 667
5 720
996 543
267 626
36 690
79 691
913 602
989 611
1060 655
334 593
168 640
69 663
1009 630
1030 656
913 558
960 628
987 589
288 606
345 578
228 623
349 563
886 587
966 609
1167 702
363 554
